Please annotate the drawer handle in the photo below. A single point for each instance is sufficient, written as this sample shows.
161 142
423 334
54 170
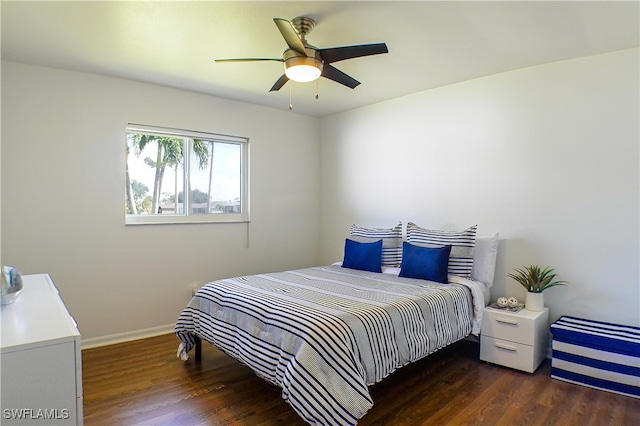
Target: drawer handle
507 321
505 347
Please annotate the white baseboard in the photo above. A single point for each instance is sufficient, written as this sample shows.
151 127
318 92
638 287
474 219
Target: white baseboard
128 336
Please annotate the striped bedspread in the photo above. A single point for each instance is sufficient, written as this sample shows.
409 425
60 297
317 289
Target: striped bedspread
324 334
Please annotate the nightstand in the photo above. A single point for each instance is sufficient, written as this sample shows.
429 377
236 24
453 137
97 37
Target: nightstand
514 339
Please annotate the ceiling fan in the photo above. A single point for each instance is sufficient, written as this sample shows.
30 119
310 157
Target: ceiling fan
304 62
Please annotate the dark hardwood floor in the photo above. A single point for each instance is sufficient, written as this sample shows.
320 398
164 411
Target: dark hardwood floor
143 383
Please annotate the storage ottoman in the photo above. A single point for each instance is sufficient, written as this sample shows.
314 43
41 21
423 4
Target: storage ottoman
597 354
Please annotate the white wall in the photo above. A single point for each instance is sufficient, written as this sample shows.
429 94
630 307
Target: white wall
63 180
547 156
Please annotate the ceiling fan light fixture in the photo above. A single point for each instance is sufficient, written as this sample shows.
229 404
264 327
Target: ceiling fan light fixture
303 69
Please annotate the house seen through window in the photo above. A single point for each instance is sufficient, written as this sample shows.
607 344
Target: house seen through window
177 176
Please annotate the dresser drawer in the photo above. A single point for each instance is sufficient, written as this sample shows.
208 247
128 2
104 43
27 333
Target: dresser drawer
508 326
510 354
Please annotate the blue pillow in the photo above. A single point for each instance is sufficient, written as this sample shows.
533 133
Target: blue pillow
425 263
363 256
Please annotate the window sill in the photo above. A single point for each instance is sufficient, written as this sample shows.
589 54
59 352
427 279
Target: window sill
168 219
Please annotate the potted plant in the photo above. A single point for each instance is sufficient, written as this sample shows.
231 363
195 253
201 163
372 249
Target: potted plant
535 280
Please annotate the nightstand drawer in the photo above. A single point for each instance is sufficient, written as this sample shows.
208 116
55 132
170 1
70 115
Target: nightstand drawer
510 354
508 326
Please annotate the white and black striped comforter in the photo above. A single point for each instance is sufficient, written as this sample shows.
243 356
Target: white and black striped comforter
325 334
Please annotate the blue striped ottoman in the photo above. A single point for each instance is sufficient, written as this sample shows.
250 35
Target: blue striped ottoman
597 354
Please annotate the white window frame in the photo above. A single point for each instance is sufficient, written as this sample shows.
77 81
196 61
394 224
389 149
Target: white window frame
243 217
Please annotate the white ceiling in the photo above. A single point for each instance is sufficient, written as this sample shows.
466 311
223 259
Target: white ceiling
431 44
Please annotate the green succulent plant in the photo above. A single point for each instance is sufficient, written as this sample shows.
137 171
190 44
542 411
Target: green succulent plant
535 279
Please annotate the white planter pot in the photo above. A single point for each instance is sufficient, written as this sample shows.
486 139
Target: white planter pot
534 302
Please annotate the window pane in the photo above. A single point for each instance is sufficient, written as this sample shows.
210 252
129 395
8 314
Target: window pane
215 178
155 173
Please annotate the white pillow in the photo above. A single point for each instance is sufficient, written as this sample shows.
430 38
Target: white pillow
484 259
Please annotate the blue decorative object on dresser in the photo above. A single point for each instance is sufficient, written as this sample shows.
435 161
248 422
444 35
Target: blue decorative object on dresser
11 284
597 354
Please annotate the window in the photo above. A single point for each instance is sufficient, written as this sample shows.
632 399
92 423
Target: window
180 176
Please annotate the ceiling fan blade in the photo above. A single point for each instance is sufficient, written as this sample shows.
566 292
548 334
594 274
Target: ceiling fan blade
249 59
290 35
278 84
335 54
333 73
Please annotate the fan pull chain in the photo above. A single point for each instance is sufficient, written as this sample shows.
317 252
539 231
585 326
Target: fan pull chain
317 88
290 104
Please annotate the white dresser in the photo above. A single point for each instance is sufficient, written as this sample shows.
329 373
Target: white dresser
41 358
514 339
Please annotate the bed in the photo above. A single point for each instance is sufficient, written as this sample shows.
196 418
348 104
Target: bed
325 334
